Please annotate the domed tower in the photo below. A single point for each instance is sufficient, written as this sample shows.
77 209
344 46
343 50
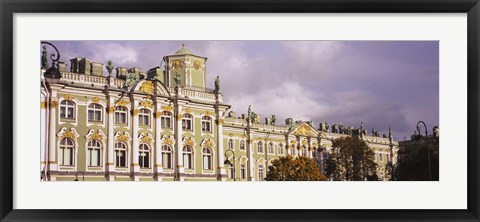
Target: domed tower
191 69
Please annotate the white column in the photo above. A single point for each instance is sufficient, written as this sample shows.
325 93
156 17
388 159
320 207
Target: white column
135 166
251 163
221 169
43 132
158 143
179 143
52 146
110 140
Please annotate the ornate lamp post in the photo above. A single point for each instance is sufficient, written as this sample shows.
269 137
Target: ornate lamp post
53 71
426 145
228 163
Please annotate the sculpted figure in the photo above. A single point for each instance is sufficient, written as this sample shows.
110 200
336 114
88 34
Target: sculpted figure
109 67
273 119
217 84
44 58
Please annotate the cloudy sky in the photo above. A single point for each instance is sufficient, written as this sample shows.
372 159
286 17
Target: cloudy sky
379 83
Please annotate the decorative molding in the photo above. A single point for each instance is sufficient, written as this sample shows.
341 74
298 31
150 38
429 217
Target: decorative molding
123 103
168 140
53 104
146 103
148 139
111 109
220 121
95 100
207 143
189 141
180 116
208 113
167 108
135 112
68 133
187 110
197 65
147 87
122 137
157 114
304 130
68 97
43 105
92 135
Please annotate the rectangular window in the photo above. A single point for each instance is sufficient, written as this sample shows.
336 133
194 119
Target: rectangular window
94 115
120 118
94 157
143 120
187 124
120 158
242 171
166 122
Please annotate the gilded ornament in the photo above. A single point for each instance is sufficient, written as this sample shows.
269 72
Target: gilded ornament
243 136
209 144
304 130
180 116
68 97
190 142
147 87
122 138
167 108
69 134
157 114
123 103
95 100
135 112
208 113
146 139
188 110
176 64
148 97
111 109
145 103
197 65
43 105
168 141
304 142
96 136
230 134
53 104
220 121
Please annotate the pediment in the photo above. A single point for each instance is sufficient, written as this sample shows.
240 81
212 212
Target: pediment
304 129
151 87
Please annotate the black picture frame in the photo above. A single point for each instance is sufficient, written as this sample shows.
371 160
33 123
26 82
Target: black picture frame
9 7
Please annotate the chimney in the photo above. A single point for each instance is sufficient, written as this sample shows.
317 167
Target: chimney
268 121
62 67
231 114
96 69
84 66
257 118
75 65
121 72
155 72
289 121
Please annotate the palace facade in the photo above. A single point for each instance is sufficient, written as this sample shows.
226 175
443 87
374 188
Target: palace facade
165 125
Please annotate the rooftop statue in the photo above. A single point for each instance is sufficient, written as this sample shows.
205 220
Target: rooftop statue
44 58
249 114
132 78
109 67
217 84
177 80
274 119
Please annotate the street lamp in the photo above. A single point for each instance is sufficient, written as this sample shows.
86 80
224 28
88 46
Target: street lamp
426 145
228 163
267 145
76 176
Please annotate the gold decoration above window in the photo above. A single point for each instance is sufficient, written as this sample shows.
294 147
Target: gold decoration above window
230 134
304 142
69 134
95 100
197 64
208 113
146 103
157 114
208 144
96 136
147 87
123 103
243 136
180 116
167 108
190 142
188 110
135 112
68 97
148 97
122 138
53 104
146 139
168 141
43 105
220 121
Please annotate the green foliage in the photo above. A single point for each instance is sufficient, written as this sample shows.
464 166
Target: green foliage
294 169
412 163
351 159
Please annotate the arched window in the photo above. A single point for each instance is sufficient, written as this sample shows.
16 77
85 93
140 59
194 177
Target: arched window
94 148
167 157
260 147
242 144
67 109
270 148
206 124
144 156
243 173
188 157
187 122
95 112
120 154
121 115
261 172
280 149
67 152
166 119
230 144
207 159
144 117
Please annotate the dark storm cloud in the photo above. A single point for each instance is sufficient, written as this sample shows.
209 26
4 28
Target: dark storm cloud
380 83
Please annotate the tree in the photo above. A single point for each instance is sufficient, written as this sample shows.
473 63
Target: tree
412 163
351 159
294 169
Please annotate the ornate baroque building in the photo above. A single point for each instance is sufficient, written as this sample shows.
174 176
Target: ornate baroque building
164 125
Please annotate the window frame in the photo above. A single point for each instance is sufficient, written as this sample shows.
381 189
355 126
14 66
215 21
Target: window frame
187 122
118 150
209 157
64 147
95 109
167 154
190 156
90 149
142 115
166 117
67 106
121 110
207 124
260 147
140 157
